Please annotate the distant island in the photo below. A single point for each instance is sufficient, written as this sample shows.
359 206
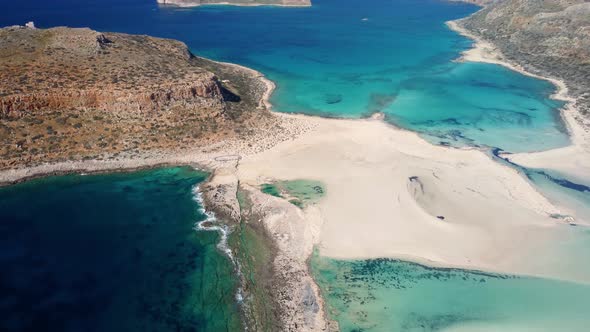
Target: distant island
193 3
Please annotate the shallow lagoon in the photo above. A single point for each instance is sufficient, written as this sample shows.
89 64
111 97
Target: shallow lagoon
389 295
563 191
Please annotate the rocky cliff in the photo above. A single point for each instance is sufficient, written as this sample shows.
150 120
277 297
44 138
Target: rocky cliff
192 3
549 37
68 94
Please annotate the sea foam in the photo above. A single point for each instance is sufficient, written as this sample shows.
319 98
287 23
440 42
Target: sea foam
210 224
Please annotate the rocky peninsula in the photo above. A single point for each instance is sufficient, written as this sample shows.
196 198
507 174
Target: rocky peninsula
77 94
194 3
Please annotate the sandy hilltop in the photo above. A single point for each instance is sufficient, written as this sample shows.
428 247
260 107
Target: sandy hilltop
194 3
389 193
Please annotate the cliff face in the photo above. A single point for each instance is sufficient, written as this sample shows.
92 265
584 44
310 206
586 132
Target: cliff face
76 93
549 37
79 68
191 3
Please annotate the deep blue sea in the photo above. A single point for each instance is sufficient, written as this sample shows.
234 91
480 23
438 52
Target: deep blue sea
118 252
115 252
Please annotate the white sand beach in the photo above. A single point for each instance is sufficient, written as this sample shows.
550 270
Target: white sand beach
386 189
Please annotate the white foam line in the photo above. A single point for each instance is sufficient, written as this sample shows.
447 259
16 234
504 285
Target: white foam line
223 230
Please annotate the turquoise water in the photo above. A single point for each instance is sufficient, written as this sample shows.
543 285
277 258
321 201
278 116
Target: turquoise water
389 295
480 104
346 58
340 58
112 253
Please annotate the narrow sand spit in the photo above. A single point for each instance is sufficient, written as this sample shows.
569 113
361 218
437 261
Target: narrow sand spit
573 160
392 194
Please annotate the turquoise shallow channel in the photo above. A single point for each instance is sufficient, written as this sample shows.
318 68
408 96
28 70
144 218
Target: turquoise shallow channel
114 252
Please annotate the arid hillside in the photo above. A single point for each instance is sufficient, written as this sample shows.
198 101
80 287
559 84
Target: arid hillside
71 94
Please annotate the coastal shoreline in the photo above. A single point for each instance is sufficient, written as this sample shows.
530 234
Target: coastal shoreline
577 152
486 52
12 177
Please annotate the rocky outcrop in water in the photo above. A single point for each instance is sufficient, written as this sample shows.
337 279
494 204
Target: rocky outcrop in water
549 38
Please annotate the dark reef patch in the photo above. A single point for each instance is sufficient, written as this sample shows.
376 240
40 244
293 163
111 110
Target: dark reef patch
333 99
